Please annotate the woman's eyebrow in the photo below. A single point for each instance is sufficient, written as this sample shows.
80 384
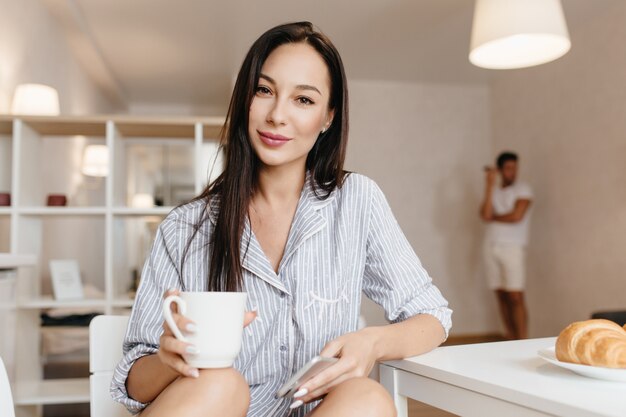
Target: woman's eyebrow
308 87
299 86
268 78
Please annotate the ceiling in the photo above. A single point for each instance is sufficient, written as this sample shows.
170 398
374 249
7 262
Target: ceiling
186 53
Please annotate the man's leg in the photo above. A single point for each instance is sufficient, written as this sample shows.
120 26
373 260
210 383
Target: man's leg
495 279
514 267
506 312
519 314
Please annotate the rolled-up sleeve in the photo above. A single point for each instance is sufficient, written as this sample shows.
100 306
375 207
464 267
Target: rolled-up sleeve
394 277
159 273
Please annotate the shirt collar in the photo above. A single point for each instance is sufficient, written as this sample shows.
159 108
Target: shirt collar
307 222
308 198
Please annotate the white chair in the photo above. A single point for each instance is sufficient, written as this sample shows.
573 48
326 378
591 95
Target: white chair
6 398
106 334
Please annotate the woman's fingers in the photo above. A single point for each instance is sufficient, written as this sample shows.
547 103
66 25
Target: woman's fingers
171 349
249 317
172 291
324 389
316 386
174 345
175 362
184 324
332 348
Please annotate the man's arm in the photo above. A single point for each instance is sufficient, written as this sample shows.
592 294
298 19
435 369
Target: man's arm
515 216
486 208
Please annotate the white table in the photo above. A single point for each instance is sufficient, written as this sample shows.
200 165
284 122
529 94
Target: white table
499 379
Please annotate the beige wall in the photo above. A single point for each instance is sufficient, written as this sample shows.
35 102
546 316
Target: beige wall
425 146
568 121
33 50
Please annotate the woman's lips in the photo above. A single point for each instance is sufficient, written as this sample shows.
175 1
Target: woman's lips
272 139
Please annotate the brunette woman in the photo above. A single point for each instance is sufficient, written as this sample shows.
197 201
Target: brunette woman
285 223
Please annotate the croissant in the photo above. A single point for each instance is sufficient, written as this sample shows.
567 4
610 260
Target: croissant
596 342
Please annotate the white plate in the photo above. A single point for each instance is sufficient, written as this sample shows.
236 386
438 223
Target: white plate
597 372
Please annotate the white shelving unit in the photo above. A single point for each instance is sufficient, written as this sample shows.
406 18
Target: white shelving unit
41 156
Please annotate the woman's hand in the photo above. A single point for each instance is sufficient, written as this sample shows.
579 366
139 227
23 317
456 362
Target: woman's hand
171 349
357 355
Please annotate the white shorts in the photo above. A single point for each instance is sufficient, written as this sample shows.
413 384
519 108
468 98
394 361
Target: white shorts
505 266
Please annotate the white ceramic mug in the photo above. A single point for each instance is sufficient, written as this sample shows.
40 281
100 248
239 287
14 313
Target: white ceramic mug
219 320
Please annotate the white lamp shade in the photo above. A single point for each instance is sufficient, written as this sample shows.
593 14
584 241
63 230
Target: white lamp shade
517 33
96 161
35 100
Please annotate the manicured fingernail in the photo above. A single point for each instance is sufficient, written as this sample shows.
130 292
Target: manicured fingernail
194 373
296 404
192 349
301 393
191 327
171 290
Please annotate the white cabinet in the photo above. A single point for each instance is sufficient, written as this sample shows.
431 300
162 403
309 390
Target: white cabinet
105 226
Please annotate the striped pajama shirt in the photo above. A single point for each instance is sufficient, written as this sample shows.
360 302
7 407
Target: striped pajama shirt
337 248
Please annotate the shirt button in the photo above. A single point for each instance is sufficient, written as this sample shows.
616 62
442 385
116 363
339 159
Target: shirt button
282 295
283 348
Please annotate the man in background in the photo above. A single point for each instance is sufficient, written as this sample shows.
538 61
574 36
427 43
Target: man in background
506 209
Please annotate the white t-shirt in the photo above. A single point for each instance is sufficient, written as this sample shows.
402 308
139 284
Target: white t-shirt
504 200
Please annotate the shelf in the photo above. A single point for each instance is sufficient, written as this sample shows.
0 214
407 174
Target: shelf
65 126
9 260
155 211
62 211
52 391
130 126
123 302
168 157
88 211
6 125
49 302
168 127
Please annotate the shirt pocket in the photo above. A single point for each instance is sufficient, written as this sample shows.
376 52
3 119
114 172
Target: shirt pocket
327 299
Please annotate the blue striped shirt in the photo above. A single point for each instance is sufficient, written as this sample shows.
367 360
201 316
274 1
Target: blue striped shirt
337 248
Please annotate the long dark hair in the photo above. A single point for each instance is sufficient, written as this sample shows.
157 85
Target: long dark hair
233 189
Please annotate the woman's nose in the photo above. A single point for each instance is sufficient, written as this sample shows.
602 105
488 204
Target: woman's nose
276 114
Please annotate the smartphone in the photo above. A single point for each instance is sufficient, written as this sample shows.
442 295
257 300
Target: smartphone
308 371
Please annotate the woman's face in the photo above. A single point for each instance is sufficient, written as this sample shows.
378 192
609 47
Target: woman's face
290 106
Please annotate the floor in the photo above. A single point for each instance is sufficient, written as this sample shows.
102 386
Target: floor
418 409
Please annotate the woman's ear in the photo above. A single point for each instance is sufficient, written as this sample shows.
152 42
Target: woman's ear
329 120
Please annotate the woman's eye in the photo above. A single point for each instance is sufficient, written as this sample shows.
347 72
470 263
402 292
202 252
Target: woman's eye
263 90
305 100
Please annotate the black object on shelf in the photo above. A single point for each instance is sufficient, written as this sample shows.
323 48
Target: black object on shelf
618 317
69 320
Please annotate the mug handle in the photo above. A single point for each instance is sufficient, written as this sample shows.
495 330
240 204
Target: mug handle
167 314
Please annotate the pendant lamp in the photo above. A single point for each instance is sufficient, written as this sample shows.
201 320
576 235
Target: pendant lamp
510 34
